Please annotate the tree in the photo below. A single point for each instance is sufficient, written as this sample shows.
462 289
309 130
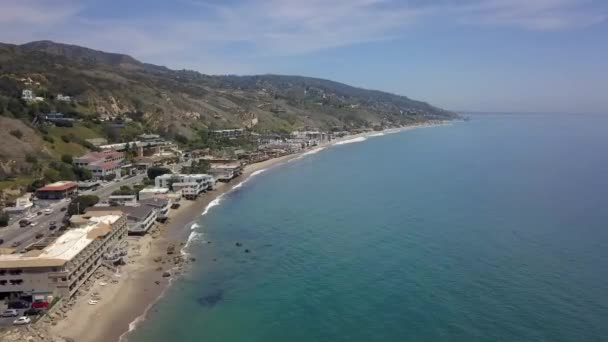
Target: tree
4 218
110 177
82 174
154 172
16 107
67 158
202 166
81 203
38 183
123 191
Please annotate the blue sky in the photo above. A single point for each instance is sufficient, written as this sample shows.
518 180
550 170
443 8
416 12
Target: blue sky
478 55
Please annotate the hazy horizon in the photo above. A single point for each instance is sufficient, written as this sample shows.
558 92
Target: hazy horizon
470 55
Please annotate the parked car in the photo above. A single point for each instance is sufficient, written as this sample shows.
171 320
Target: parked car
16 244
24 223
33 312
39 236
9 313
18 304
40 304
23 320
63 209
52 226
47 211
1 241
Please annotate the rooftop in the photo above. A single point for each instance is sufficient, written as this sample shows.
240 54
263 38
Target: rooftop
65 248
138 212
58 186
154 190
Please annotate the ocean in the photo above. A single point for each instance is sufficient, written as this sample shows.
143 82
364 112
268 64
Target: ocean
495 229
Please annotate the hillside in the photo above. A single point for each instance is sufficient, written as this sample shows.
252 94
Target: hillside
104 86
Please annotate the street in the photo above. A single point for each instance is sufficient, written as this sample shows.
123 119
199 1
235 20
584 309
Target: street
14 234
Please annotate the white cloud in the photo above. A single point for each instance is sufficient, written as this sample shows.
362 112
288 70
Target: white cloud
273 27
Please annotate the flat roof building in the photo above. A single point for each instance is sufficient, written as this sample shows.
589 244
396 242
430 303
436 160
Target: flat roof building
140 217
57 190
66 263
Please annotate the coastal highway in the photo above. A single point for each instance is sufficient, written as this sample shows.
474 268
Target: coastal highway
27 235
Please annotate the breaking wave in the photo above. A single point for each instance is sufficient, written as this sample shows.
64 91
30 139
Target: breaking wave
350 141
212 204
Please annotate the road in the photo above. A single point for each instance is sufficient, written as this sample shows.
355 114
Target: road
27 235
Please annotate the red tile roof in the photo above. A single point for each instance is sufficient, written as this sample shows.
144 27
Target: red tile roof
59 186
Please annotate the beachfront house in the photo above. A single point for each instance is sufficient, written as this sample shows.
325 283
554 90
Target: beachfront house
140 218
161 206
225 172
190 185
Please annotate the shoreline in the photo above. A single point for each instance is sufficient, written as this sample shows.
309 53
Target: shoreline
141 284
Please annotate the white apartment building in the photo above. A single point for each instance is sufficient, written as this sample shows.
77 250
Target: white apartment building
190 185
63 266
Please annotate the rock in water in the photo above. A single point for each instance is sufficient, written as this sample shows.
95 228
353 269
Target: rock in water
211 299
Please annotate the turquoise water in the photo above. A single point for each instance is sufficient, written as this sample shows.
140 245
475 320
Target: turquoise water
490 230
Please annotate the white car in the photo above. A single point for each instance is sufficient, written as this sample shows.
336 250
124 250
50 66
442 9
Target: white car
9 313
47 211
22 320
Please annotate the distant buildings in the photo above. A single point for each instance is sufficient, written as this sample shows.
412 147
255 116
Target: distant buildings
57 190
101 164
228 133
64 98
27 95
60 268
22 204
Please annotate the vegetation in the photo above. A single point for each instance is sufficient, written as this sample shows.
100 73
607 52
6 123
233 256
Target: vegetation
4 218
124 191
67 158
79 204
202 166
154 172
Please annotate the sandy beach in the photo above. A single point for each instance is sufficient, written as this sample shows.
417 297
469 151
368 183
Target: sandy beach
126 295
140 283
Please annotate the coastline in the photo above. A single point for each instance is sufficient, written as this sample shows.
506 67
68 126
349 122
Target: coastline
141 283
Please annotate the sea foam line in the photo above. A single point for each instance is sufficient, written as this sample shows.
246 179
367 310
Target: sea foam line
350 141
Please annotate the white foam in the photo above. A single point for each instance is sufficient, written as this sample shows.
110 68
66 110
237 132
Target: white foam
194 237
212 204
194 226
376 135
350 141
254 173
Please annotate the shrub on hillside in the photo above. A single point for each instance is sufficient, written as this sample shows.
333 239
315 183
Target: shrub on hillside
17 133
67 158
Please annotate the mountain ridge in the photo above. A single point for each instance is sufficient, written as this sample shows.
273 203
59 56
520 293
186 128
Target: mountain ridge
174 103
